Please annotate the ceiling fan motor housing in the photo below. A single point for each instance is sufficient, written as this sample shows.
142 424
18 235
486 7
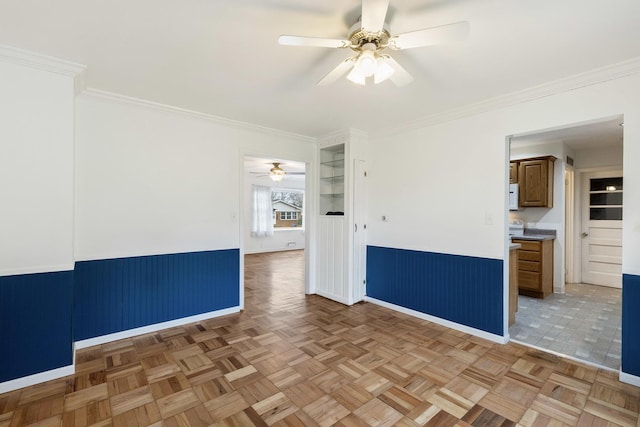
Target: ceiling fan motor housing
360 37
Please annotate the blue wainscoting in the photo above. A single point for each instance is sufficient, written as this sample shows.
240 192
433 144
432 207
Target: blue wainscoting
631 324
35 323
116 295
462 289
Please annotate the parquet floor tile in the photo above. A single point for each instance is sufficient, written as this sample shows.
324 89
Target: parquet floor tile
295 360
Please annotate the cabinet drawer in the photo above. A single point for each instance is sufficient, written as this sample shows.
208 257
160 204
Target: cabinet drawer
528 266
529 280
529 256
529 245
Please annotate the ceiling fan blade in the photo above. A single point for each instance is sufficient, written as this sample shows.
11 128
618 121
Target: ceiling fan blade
430 36
374 13
337 72
312 41
400 76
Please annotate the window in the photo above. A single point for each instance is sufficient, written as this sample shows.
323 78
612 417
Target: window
288 216
288 208
605 199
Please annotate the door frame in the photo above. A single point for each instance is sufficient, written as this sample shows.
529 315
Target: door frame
569 226
614 170
310 224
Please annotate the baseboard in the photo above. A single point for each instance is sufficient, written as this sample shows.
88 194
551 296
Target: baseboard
268 250
103 339
565 356
458 327
333 297
38 378
629 379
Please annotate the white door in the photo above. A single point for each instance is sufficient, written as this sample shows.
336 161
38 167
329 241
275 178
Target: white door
602 229
360 228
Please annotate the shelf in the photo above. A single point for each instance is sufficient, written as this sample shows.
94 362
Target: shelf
333 163
332 178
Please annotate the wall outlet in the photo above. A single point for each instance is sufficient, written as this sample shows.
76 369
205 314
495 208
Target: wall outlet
291 244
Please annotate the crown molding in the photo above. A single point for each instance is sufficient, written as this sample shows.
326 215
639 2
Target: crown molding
577 81
45 63
98 93
341 136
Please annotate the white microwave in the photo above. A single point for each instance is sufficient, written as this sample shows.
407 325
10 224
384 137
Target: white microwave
513 197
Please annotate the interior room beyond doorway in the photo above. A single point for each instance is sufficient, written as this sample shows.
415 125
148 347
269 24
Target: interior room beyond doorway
581 318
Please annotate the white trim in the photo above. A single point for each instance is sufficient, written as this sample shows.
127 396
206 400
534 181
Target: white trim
577 81
267 250
45 63
108 256
632 272
38 378
98 93
565 356
153 328
629 379
449 324
37 270
334 297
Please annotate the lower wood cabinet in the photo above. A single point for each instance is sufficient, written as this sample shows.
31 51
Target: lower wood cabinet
535 267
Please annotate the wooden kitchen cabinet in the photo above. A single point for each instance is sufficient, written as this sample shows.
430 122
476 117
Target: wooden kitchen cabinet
535 267
513 172
535 177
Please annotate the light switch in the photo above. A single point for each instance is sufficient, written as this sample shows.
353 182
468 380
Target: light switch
488 218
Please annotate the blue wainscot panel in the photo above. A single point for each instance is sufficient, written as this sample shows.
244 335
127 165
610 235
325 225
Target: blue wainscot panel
116 295
631 324
35 323
461 289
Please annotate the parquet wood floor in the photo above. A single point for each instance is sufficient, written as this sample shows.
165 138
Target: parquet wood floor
296 360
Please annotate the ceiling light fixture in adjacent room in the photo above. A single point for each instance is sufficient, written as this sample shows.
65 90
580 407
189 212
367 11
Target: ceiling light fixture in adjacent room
276 173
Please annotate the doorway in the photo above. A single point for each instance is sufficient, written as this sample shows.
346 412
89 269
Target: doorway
582 318
274 223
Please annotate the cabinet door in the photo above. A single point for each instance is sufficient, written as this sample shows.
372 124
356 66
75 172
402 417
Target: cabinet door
513 172
536 183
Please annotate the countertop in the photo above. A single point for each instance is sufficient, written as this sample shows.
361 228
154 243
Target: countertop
534 237
536 234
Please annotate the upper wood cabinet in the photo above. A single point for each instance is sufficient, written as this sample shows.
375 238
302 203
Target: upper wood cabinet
513 172
535 177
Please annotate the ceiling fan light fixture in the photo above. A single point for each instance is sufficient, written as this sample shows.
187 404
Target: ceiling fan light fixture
356 77
383 71
276 173
367 63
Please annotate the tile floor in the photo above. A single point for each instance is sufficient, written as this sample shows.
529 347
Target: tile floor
584 323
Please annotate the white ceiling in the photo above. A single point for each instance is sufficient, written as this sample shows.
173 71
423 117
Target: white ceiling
600 134
221 57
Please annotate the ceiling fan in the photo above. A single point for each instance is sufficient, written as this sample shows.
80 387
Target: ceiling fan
369 38
276 173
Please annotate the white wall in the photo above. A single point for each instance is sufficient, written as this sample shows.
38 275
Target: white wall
598 157
153 180
36 170
447 192
281 238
